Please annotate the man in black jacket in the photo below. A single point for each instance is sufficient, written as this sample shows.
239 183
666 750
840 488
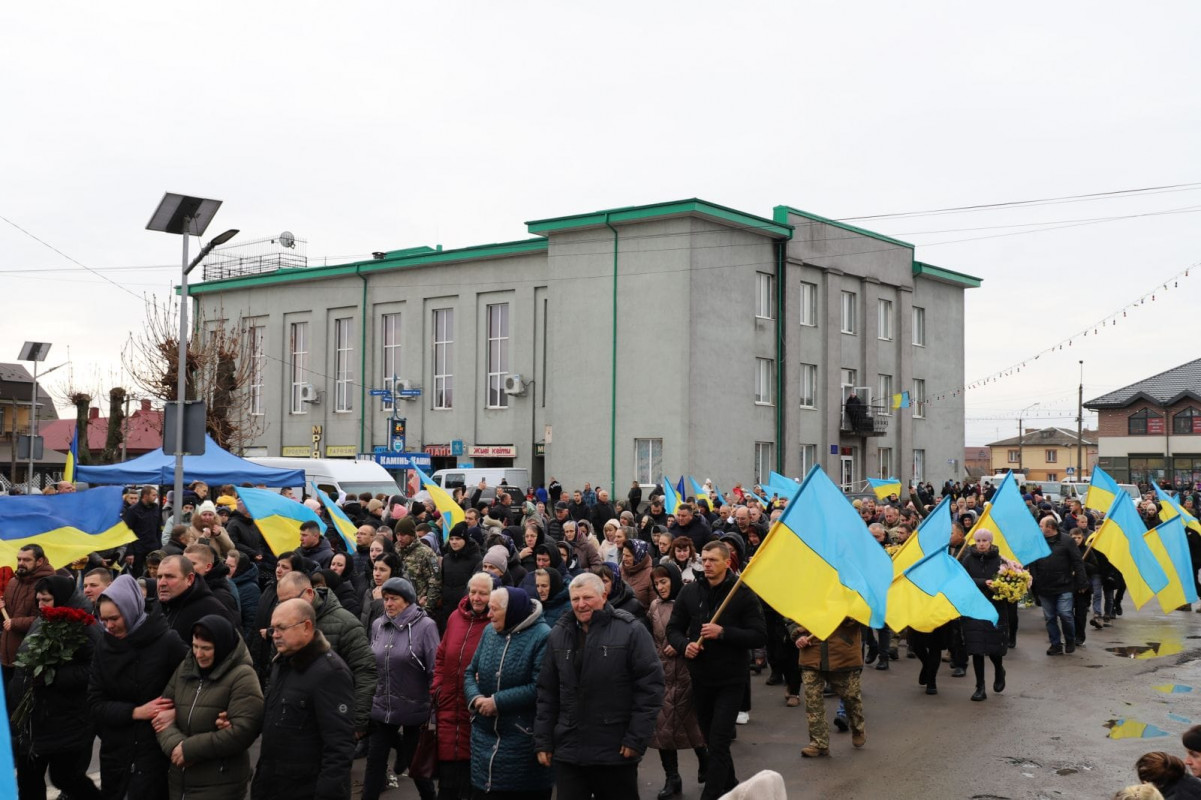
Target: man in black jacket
692 525
247 538
308 717
185 599
1056 577
599 694
718 655
603 511
143 519
216 574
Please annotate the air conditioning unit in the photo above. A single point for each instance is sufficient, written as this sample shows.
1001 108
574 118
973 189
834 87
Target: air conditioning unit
403 386
309 394
514 385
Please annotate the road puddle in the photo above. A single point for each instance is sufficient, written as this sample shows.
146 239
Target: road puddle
1173 688
1149 650
1133 729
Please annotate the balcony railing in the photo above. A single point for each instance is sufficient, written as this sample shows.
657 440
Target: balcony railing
866 421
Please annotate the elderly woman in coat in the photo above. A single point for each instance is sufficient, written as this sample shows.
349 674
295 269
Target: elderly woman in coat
676 728
501 688
211 759
981 637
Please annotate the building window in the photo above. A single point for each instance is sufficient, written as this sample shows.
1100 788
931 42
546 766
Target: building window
390 339
919 465
764 383
765 296
1187 421
1145 422
885 462
808 308
848 312
764 463
444 358
884 398
808 458
648 460
1052 476
1014 456
258 362
300 364
1052 456
1147 469
343 365
498 354
808 386
918 399
919 326
849 376
884 322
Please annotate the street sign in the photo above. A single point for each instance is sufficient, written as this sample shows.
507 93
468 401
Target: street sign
456 447
403 460
379 449
1071 470
409 393
380 393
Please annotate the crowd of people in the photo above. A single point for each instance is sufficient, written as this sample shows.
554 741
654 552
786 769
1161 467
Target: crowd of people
544 643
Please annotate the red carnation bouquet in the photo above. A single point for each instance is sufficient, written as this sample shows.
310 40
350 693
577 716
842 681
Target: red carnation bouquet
51 644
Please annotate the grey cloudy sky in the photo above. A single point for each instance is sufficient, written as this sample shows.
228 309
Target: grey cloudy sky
377 126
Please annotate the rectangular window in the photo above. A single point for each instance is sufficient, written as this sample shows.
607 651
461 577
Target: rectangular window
808 309
299 351
444 358
390 347
919 326
918 400
765 293
648 460
884 396
1052 456
1013 456
808 386
498 354
884 321
919 465
764 381
258 362
848 312
885 462
343 365
808 458
849 376
764 463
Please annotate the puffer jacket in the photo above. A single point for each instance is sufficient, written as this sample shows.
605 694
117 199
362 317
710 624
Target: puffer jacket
506 668
348 638
676 728
218 760
405 648
1061 571
599 692
842 652
464 628
981 637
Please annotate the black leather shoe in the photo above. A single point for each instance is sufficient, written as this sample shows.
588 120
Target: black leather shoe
883 664
958 672
872 653
775 679
1055 650
673 787
980 694
931 688
998 684
1069 646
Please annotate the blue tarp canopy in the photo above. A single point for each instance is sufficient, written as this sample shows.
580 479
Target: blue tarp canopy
215 467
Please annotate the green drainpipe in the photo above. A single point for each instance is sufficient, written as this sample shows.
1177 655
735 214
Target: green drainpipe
362 364
613 377
780 248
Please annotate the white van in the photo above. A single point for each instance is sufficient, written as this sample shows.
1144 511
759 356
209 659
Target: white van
335 475
518 478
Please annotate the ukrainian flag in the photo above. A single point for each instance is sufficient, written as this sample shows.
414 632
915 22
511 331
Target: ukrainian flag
1169 507
67 526
278 518
342 523
671 500
452 512
1015 533
1120 538
72 457
781 485
718 499
1168 544
698 491
885 488
818 564
929 586
1102 491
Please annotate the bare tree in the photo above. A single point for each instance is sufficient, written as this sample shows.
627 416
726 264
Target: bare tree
82 402
116 415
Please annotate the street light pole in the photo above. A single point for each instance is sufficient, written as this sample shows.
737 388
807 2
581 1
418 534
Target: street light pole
1021 445
1080 425
181 377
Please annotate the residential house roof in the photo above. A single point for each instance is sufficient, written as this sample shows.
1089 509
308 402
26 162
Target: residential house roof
1163 389
1050 437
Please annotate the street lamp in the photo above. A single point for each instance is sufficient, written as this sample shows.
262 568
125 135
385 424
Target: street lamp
186 216
35 352
1021 446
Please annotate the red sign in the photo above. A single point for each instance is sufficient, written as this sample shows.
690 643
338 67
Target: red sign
1196 424
1154 425
441 450
492 451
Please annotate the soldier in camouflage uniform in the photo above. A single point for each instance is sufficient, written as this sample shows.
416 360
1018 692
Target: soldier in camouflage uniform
837 661
420 564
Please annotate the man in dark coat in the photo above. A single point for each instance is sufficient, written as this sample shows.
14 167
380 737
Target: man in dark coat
143 519
308 718
602 511
247 538
185 597
692 525
20 602
216 574
1056 577
599 694
718 655
314 546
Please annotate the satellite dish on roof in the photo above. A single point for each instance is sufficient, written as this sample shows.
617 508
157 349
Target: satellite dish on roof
287 239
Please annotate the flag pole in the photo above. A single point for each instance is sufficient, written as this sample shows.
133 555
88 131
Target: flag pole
1092 542
967 537
738 583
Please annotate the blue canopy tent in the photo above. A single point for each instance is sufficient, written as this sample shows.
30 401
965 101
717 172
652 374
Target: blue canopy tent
215 467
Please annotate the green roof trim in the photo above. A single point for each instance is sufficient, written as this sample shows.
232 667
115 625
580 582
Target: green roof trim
397 259
780 213
946 275
675 208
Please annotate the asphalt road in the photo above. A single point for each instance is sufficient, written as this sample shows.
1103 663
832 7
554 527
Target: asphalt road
1046 736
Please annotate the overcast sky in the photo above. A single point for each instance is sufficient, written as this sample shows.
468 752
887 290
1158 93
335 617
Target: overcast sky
378 126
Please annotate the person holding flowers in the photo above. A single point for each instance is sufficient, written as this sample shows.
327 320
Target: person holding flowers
997 580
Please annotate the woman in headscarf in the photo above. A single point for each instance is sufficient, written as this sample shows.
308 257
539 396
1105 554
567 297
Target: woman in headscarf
587 555
981 637
351 588
677 727
617 594
134 660
636 568
610 551
59 734
552 592
501 687
217 677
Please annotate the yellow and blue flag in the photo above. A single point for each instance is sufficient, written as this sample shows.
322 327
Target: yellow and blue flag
929 586
451 512
1168 544
885 488
671 500
1120 538
698 491
337 516
278 518
818 564
72 457
900 400
719 501
1015 533
781 485
67 526
1170 507
1102 491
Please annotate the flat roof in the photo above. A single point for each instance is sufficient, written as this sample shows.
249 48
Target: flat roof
692 207
780 214
946 275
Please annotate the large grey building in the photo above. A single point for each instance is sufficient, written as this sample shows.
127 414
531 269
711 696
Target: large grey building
620 345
